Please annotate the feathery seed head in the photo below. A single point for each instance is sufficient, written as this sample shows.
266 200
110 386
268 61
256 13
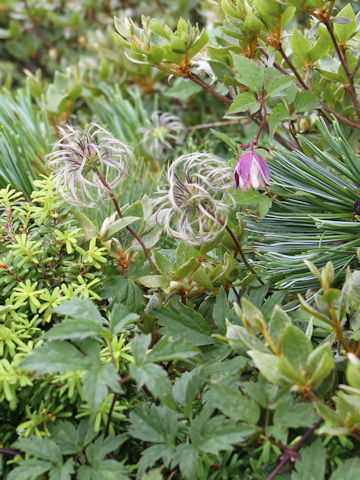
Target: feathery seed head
80 156
195 192
161 131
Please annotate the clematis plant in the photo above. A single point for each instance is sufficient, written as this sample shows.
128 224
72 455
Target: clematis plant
251 171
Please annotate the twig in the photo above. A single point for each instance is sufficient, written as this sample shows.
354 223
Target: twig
292 67
345 65
356 68
117 207
224 123
338 116
209 89
292 452
107 429
12 453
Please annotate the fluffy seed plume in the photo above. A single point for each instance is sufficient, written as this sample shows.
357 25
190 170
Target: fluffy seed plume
193 195
160 133
82 159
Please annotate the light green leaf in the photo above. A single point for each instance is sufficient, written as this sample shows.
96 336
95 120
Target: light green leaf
349 470
96 385
244 102
55 357
80 308
167 349
234 404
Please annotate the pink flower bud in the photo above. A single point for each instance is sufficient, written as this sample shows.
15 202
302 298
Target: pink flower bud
251 172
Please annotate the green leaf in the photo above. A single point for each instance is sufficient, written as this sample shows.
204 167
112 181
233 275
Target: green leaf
74 329
187 458
306 102
80 308
238 337
184 252
319 364
199 44
234 404
278 322
300 45
295 346
96 385
118 225
294 416
244 102
155 281
139 346
29 470
101 447
162 263
201 277
156 380
353 371
268 365
345 31
312 463
181 321
87 227
63 472
153 475
188 386
221 310
349 470
251 74
211 435
154 424
182 90
225 138
124 291
167 349
277 84
55 357
45 449
105 470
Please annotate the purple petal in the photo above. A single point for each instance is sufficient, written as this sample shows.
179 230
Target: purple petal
263 167
244 165
236 178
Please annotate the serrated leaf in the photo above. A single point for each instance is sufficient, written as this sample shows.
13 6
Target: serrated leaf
96 384
63 472
154 424
217 433
74 329
244 102
251 74
181 321
29 470
156 380
187 457
167 349
349 470
312 464
55 357
45 449
234 404
80 308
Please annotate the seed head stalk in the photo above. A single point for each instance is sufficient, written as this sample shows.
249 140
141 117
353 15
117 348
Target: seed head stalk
118 209
235 240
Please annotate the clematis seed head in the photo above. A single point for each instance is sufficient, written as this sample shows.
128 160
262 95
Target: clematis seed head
80 156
